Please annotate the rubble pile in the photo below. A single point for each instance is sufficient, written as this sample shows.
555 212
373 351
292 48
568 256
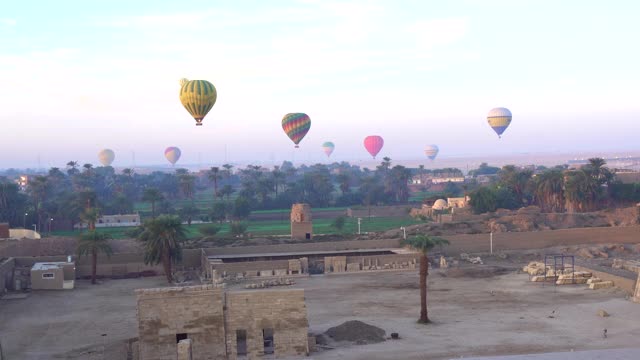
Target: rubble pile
270 283
472 259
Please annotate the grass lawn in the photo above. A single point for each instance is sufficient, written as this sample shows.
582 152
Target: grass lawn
277 227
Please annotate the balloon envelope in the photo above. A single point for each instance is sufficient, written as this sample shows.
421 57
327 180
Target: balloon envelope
431 151
172 154
373 144
198 97
328 148
296 126
106 157
499 119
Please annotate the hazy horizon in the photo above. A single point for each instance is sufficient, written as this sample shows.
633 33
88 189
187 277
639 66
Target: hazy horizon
81 76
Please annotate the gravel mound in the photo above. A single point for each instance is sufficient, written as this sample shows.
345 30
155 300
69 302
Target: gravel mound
357 332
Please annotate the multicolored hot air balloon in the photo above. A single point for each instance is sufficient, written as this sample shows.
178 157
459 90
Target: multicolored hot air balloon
328 147
373 144
499 119
198 97
296 126
172 154
106 157
431 151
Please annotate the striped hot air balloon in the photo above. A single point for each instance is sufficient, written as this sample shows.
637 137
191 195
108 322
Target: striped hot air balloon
296 126
328 147
198 97
373 144
172 154
106 157
431 151
499 119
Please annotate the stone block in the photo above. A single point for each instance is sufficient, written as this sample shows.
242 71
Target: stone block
280 272
603 313
184 350
601 285
266 273
353 267
593 280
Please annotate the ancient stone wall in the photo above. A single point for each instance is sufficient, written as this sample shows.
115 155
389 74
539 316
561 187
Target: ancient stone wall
167 315
255 314
542 239
383 262
314 246
636 294
335 264
301 222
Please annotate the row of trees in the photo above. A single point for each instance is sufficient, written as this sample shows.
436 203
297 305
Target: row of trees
80 193
554 190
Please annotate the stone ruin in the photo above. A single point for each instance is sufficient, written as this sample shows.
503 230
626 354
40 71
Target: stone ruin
301 222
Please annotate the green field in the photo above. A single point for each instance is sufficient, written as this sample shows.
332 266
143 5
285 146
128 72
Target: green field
277 227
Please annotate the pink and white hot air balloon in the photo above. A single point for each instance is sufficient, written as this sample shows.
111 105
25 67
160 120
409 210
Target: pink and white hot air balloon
373 144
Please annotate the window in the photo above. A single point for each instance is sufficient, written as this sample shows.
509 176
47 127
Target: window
241 342
267 338
48 276
182 336
308 236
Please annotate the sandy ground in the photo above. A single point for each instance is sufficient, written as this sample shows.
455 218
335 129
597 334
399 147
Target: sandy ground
468 319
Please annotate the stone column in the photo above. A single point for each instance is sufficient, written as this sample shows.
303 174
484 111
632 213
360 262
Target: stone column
636 293
184 350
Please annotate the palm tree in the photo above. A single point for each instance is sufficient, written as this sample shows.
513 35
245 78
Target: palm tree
152 195
214 175
92 243
549 191
162 238
423 244
90 216
278 177
72 168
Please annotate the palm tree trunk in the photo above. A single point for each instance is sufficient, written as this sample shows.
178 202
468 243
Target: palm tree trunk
94 265
166 264
424 272
153 209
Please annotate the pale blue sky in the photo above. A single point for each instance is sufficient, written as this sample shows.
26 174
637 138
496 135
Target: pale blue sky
78 76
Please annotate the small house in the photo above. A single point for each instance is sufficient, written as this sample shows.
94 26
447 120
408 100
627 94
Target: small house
53 276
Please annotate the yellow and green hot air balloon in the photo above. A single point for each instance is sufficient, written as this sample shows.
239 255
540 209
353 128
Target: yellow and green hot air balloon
198 97
296 126
499 119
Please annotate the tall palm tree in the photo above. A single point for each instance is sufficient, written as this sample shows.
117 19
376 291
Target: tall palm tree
423 244
549 191
278 177
92 243
90 216
152 195
162 238
214 175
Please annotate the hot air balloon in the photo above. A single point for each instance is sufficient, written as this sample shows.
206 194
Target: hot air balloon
106 157
296 126
328 148
431 151
198 97
499 119
172 154
373 144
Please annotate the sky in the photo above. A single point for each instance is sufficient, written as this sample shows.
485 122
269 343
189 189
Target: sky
79 76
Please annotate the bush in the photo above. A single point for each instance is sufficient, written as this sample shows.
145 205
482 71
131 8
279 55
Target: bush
134 232
238 229
338 223
209 230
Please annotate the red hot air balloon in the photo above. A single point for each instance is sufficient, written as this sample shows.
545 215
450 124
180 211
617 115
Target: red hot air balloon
373 144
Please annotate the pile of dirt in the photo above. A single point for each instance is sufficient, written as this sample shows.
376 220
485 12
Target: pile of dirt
357 332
